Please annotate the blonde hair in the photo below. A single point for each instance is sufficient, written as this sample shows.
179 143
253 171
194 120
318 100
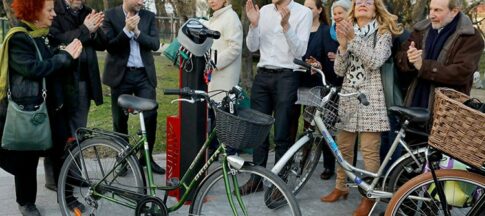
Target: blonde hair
387 21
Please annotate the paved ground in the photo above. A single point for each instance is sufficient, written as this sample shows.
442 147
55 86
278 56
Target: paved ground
308 198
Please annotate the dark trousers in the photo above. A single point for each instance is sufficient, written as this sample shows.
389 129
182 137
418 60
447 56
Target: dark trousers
135 83
23 165
274 91
54 158
79 117
387 138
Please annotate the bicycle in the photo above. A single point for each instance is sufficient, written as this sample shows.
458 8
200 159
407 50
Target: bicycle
298 163
463 190
100 156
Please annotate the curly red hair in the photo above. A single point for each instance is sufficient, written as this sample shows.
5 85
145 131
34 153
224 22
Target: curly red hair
28 10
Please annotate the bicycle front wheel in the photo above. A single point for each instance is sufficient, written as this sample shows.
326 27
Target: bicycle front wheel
419 196
301 166
85 166
212 199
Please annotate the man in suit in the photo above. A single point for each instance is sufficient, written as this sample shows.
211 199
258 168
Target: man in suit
132 35
82 83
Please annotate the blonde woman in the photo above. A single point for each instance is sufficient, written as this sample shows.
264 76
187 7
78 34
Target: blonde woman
229 49
365 40
229 46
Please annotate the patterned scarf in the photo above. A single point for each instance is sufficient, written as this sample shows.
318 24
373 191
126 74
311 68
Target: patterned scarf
35 33
356 75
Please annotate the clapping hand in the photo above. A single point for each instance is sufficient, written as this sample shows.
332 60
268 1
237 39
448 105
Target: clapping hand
415 56
131 22
93 21
285 17
252 11
345 33
74 48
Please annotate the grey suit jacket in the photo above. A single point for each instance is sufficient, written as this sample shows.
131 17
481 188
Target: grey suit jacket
118 45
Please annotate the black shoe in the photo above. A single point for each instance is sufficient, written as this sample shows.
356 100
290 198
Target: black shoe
155 168
29 209
74 204
327 174
251 186
51 187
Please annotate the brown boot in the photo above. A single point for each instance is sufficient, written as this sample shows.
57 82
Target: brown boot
364 207
334 195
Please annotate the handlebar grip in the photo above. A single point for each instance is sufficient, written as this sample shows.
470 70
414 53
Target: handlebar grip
363 99
302 63
183 92
212 34
171 92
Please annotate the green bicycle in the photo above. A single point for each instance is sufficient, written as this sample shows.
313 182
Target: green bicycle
101 175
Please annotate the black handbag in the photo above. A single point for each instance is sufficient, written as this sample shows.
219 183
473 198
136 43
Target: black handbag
26 130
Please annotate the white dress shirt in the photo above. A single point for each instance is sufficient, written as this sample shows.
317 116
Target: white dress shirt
277 48
134 60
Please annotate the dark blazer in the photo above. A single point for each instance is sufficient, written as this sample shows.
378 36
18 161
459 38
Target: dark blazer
65 28
118 45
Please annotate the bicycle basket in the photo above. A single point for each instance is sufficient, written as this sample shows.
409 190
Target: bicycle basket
458 130
246 130
333 117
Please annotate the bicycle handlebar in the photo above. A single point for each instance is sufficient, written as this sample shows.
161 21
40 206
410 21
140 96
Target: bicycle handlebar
310 67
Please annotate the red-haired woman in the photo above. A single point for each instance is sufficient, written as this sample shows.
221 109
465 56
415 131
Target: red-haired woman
26 72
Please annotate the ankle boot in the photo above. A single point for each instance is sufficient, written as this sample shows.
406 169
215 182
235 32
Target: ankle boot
50 182
364 207
334 196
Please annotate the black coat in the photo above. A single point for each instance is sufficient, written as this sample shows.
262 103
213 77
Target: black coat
26 73
118 45
65 28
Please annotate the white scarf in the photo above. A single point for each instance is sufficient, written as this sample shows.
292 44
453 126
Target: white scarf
357 73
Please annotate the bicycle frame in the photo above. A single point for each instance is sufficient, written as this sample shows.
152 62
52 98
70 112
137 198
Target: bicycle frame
349 169
130 198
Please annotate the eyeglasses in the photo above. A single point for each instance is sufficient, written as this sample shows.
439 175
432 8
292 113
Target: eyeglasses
367 2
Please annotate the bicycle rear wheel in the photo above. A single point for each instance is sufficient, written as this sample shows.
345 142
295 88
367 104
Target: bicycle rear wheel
211 198
405 171
301 166
85 166
419 196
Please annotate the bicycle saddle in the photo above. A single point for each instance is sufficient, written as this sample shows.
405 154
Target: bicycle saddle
413 114
136 103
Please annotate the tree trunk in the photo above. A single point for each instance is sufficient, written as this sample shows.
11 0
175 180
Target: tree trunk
419 11
160 5
184 7
247 73
8 10
106 4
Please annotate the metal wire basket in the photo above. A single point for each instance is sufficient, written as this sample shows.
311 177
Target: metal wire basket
248 129
333 117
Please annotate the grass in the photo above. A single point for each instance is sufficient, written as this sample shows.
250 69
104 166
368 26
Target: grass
482 65
167 76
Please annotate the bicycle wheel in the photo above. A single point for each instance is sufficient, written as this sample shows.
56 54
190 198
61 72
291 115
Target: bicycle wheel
211 198
419 197
77 178
301 166
405 171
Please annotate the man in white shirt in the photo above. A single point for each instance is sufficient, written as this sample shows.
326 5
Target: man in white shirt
280 31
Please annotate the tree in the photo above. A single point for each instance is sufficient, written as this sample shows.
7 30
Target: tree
7 5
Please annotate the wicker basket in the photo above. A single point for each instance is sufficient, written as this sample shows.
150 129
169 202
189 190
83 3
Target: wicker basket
246 130
458 130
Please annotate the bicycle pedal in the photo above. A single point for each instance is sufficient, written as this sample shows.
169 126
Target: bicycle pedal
351 185
173 182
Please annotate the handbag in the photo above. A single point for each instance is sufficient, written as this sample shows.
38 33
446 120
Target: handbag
27 130
389 76
172 51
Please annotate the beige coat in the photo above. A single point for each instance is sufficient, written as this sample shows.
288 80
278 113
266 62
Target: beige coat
371 118
229 49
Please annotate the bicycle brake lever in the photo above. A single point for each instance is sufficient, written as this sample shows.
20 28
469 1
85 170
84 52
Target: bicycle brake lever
183 100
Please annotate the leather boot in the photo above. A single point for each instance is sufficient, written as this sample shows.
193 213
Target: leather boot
50 182
334 196
364 208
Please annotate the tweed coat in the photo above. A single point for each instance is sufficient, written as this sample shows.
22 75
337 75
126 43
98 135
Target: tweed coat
357 117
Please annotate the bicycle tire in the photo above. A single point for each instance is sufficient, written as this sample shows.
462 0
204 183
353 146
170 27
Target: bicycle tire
301 166
405 171
211 198
96 152
403 204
